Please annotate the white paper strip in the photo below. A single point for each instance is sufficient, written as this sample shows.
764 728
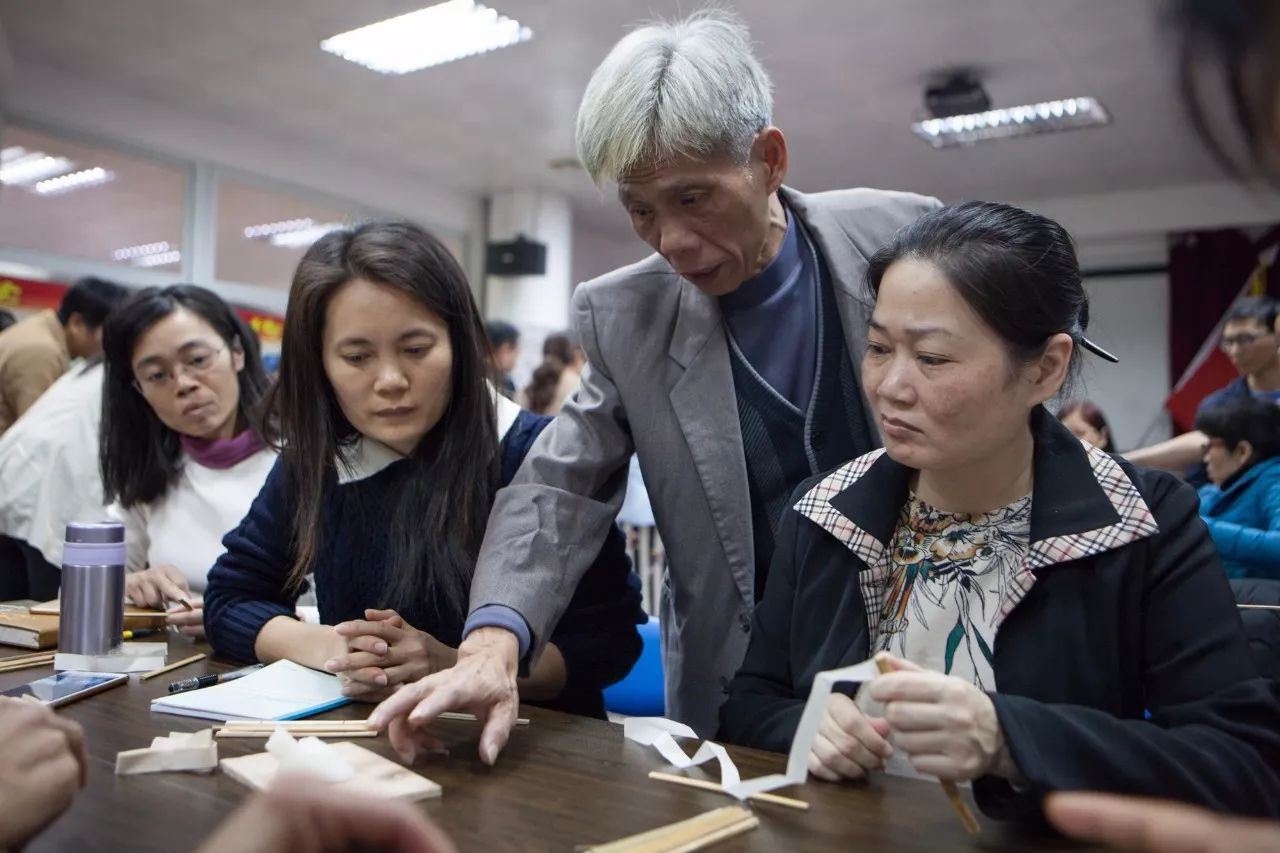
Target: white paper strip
814 708
660 733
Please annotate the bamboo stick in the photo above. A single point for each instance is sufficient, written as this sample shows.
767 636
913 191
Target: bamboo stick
686 835
27 664
320 733
707 785
948 787
171 667
463 715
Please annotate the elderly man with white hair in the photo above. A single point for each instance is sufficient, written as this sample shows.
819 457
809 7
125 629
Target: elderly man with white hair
726 361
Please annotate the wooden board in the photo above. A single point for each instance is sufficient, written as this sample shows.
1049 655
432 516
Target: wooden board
375 776
134 617
29 630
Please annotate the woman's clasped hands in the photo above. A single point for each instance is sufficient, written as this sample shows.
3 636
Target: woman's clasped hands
381 651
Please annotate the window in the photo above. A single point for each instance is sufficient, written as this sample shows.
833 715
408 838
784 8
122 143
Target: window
83 201
262 234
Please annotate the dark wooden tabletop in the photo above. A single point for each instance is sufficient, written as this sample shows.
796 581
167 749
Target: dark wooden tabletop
561 782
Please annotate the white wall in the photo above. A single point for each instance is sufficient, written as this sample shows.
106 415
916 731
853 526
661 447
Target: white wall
596 253
1130 318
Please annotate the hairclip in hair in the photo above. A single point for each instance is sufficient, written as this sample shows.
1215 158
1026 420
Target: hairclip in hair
1097 350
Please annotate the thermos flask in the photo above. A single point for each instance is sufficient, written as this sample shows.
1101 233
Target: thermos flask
92 620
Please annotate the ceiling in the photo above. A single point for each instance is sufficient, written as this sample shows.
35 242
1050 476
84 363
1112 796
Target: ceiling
848 76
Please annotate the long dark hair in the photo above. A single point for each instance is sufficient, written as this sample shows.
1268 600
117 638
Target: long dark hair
557 355
140 457
445 487
1093 416
1017 270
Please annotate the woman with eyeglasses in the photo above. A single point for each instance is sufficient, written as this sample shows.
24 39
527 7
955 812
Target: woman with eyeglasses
182 457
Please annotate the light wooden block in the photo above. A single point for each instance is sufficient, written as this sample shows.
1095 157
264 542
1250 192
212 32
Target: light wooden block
375 776
180 751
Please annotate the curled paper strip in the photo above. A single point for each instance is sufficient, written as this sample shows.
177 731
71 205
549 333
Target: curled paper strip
814 708
309 755
658 732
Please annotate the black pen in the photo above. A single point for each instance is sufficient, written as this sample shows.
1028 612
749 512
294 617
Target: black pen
210 680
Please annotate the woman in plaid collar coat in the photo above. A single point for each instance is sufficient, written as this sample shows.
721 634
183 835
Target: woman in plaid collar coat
1057 619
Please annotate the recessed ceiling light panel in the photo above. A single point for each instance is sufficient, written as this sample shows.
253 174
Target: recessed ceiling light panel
431 36
74 181
1027 120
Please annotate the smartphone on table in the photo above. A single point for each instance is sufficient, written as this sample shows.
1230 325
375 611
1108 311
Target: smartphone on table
64 687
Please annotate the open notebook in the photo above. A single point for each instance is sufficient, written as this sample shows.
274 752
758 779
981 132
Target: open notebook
283 690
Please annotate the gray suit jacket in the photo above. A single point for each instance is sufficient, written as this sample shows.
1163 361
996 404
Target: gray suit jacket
658 382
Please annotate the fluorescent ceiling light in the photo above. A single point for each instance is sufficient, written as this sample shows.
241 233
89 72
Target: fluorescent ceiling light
303 237
1028 120
290 233
129 253
20 167
259 232
74 181
159 259
431 36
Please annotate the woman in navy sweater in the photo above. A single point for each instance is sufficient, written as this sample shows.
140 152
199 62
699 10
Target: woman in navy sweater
392 446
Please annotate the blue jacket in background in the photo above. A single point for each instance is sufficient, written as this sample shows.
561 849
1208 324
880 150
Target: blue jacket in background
1244 520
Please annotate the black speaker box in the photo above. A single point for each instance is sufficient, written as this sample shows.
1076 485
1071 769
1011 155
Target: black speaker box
521 256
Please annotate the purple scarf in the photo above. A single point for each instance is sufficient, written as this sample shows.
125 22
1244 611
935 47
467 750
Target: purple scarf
222 453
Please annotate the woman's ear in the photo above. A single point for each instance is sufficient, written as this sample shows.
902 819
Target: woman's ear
1047 373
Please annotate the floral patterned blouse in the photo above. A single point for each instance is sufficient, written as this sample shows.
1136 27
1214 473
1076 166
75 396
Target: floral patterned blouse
949 574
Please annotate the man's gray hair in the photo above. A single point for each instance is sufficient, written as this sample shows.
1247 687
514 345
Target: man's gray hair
691 88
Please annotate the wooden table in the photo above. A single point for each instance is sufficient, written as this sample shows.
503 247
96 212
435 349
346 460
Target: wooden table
561 782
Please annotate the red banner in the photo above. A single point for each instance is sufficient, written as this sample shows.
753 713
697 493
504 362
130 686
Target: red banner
29 295
269 327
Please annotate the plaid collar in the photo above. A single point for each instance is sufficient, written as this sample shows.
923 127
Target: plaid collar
1082 504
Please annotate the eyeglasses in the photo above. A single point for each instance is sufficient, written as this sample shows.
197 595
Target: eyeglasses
1241 340
159 378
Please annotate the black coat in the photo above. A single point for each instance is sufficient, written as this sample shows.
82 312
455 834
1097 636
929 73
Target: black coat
1262 627
1123 608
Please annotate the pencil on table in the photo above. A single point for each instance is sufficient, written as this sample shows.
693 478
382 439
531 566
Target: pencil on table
948 787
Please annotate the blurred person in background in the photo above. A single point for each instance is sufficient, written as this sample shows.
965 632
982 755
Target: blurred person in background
1249 340
1241 504
504 349
37 350
1226 54
1087 423
7 319
559 375
182 454
49 468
